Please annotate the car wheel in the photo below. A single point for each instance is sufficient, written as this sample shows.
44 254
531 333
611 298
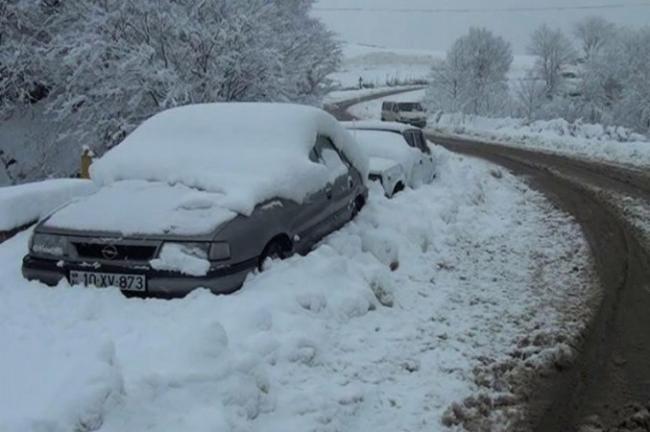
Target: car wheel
278 248
399 187
359 203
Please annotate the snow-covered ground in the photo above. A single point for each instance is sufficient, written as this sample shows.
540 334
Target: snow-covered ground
30 137
23 204
414 315
596 142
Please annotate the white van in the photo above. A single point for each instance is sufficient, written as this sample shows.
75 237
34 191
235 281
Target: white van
410 113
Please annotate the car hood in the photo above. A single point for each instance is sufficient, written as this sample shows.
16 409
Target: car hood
139 207
380 166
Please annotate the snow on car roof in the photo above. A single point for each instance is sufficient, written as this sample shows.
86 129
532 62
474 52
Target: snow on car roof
387 145
249 152
378 125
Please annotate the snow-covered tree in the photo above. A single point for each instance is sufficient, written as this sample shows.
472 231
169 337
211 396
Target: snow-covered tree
554 51
473 77
108 65
593 33
529 96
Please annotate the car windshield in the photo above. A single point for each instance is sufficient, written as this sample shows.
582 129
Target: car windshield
410 107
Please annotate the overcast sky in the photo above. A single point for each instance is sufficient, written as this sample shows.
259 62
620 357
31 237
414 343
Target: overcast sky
438 28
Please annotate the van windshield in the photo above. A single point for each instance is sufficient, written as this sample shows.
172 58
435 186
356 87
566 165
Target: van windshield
410 106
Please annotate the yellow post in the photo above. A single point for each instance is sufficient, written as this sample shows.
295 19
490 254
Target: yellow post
86 160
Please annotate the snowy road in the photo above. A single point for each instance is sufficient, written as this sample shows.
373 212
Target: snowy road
611 385
334 341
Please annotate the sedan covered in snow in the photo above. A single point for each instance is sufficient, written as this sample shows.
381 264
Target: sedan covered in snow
399 155
201 195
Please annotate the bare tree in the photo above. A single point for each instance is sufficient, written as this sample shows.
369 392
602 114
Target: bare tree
553 51
593 33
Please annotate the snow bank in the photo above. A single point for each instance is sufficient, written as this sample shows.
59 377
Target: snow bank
591 141
23 204
380 328
248 152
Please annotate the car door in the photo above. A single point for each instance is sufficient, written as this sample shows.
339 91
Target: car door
338 190
312 213
419 173
321 211
428 164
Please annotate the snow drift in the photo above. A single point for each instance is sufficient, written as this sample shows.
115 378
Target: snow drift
591 141
23 204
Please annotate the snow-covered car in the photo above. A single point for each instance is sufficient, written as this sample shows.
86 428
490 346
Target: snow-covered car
399 155
411 113
199 196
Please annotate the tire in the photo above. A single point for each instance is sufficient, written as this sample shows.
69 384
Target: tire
359 203
275 249
399 187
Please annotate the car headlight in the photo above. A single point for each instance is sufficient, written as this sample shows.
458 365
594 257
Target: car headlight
204 251
197 250
219 251
48 245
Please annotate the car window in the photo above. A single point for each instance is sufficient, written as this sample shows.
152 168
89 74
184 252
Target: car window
329 156
417 140
410 107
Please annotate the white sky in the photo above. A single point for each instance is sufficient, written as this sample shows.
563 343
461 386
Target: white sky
437 30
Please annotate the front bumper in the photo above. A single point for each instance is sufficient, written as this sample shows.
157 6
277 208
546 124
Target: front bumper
162 284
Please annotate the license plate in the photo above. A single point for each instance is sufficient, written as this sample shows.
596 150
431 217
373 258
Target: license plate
125 282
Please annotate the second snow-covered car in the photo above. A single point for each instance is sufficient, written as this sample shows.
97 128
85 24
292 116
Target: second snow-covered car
199 196
399 154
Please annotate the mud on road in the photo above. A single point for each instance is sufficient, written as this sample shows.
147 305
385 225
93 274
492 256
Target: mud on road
608 387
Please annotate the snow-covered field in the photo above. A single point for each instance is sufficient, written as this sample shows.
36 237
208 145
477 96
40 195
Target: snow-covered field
415 314
380 66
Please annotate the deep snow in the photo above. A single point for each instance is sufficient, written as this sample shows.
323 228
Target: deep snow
334 341
23 204
589 141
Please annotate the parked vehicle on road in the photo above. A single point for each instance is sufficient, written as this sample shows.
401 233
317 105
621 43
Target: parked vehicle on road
399 154
411 113
199 196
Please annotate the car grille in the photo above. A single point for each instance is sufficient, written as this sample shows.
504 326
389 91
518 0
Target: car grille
119 252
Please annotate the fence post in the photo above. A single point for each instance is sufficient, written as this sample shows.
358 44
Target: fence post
87 156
